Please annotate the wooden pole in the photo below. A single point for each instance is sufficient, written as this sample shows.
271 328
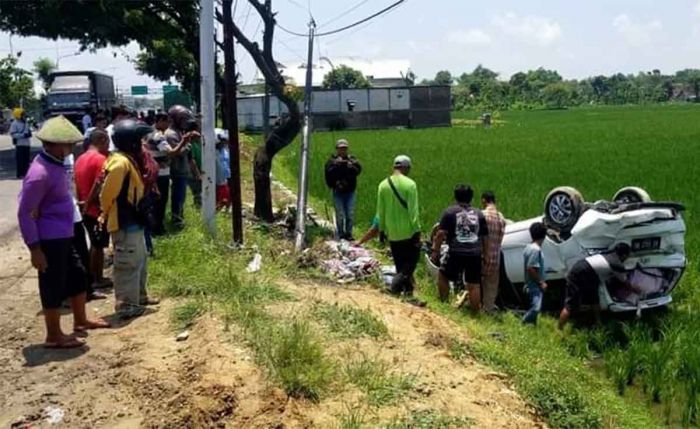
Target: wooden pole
232 121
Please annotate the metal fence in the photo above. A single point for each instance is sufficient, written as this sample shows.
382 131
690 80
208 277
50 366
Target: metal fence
412 107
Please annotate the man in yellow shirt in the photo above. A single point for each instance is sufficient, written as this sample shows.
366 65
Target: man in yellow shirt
124 217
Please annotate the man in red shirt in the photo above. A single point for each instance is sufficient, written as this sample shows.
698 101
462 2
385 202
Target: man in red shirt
88 181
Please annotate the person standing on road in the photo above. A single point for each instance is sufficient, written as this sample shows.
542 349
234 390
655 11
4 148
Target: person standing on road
179 164
464 228
123 214
86 121
341 173
491 257
88 183
21 134
399 218
535 283
194 157
45 217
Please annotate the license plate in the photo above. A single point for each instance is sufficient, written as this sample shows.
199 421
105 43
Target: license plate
646 244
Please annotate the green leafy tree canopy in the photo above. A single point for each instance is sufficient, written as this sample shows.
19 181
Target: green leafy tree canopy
344 77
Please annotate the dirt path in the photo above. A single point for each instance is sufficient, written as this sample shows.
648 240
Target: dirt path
137 375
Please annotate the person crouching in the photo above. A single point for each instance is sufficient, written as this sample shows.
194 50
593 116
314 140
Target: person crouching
46 222
122 213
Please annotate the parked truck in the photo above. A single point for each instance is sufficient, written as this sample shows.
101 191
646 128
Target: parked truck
72 93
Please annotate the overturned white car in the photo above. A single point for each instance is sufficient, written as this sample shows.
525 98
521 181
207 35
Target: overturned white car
654 230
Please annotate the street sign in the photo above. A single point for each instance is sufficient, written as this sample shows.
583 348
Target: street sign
139 90
170 88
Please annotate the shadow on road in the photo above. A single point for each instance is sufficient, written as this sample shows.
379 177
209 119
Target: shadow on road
37 355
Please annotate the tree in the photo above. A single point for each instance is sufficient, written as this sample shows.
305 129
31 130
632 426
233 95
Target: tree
557 95
16 84
443 77
43 67
344 77
283 135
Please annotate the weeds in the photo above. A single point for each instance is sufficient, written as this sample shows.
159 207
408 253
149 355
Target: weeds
349 322
430 419
375 379
184 315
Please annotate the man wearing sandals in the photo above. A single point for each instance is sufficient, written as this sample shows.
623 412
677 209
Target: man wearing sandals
45 217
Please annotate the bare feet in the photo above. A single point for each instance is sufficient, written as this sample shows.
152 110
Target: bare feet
92 324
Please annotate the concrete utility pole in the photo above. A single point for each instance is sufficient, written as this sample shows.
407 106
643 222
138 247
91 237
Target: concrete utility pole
208 96
306 141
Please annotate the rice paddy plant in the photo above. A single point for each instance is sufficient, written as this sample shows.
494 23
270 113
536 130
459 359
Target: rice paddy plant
616 366
637 354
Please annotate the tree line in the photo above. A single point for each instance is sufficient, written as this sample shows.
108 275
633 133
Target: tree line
483 89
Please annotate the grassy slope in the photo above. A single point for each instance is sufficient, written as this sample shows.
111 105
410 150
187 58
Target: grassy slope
596 151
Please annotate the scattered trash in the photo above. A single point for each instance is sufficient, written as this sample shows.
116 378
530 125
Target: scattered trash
347 263
54 414
183 336
255 265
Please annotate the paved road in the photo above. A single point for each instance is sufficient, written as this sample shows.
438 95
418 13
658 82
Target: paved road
9 186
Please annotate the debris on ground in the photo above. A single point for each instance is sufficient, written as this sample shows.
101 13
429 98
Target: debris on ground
182 336
54 414
347 263
255 264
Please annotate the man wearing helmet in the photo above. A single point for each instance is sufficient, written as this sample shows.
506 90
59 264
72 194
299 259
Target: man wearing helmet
123 213
21 137
180 167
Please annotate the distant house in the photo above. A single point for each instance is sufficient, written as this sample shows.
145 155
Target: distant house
386 73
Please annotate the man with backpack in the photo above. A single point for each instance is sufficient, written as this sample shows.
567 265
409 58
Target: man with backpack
399 218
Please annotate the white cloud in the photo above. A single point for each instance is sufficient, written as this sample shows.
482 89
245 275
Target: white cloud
473 37
532 29
637 34
696 9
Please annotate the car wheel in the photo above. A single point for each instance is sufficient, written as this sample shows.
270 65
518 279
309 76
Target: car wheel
631 194
562 208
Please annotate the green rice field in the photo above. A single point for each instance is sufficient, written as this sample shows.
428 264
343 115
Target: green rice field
654 363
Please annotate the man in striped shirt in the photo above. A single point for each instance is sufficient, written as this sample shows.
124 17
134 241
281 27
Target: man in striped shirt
491 256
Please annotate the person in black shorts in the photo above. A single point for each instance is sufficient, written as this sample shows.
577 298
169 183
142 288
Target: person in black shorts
463 227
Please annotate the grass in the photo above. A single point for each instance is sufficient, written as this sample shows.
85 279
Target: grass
349 322
597 151
374 377
204 270
184 315
429 419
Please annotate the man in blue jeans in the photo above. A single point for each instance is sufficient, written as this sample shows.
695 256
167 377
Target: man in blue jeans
534 272
341 174
180 164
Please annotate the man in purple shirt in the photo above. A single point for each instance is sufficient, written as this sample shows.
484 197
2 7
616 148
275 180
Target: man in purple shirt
46 221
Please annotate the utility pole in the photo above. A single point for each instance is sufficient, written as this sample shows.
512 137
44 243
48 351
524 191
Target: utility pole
231 114
208 96
306 141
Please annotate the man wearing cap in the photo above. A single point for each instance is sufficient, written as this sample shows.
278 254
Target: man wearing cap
21 138
180 168
399 219
125 216
341 176
45 217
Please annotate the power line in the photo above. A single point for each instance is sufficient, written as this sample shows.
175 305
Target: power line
356 30
343 14
347 27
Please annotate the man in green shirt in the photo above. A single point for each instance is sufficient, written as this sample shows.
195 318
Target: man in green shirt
399 219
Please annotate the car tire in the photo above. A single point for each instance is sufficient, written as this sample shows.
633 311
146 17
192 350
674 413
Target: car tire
562 208
631 194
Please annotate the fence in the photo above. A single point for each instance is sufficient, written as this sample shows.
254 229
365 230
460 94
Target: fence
413 107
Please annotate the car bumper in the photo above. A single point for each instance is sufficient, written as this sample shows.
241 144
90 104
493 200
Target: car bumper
621 307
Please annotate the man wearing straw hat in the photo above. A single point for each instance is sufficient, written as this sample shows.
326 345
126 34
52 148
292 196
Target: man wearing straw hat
46 222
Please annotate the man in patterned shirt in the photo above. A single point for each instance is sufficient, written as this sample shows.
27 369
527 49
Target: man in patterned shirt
491 256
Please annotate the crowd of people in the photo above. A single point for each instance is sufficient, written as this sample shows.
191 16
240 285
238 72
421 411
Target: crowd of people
114 192
473 236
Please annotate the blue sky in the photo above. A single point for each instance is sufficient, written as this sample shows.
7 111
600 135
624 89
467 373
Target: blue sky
579 39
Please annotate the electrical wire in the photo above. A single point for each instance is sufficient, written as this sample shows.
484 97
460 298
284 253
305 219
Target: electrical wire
343 14
347 27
